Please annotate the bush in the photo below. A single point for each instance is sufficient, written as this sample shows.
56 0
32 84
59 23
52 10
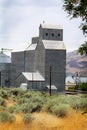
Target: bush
59 111
11 118
2 102
80 103
6 116
17 109
83 86
2 108
11 109
3 93
71 88
17 92
27 118
23 100
26 108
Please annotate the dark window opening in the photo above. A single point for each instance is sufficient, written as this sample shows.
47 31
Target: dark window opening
46 34
52 34
59 34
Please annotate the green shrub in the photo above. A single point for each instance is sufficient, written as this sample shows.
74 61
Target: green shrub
6 116
17 109
26 108
59 111
3 93
23 100
28 94
11 109
27 118
2 102
71 88
11 118
80 103
2 108
17 91
83 86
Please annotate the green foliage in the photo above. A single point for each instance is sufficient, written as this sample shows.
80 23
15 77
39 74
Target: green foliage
6 116
17 92
60 110
3 93
83 86
11 118
83 49
71 88
57 105
27 118
80 104
2 102
2 108
11 109
75 9
31 101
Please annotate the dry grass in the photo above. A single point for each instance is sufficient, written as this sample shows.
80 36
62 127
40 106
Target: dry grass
10 103
43 121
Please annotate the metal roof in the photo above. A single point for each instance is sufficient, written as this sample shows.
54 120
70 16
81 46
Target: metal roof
32 47
4 58
50 26
54 45
26 47
33 76
52 87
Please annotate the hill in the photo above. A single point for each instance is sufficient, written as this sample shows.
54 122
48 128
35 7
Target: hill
76 63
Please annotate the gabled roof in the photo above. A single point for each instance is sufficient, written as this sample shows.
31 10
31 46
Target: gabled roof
54 45
50 26
33 76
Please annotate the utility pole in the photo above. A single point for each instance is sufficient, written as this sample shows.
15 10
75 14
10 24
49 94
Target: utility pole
50 81
32 80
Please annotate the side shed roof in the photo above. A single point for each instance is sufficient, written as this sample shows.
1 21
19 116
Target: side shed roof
54 45
32 47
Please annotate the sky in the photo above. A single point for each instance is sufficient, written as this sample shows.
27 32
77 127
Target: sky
20 21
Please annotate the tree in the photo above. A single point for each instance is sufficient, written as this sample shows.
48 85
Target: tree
75 9
83 49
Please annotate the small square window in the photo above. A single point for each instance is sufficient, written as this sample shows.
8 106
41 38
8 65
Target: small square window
52 34
46 34
59 34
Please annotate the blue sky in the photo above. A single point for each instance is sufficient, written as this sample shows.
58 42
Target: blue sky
20 20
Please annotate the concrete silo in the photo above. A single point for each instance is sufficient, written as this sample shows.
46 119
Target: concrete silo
5 62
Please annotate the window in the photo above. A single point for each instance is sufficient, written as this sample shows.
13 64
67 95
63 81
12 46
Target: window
52 34
46 34
59 34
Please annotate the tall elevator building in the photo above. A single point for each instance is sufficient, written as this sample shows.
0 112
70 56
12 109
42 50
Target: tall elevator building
42 63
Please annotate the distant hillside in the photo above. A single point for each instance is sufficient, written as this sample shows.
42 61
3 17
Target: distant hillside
76 63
